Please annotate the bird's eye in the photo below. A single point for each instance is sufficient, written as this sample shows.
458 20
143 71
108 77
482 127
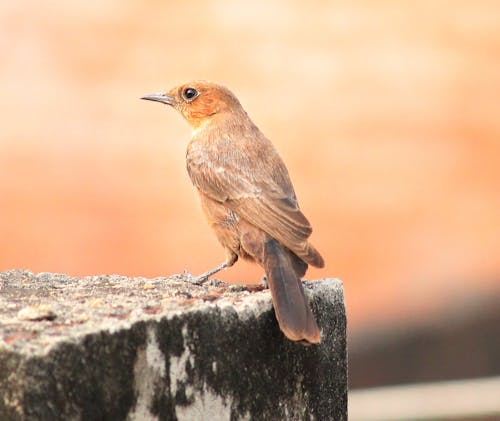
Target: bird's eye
189 94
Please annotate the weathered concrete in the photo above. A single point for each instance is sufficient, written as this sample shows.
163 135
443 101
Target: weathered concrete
117 348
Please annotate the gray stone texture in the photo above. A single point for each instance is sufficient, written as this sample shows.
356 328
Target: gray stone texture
118 348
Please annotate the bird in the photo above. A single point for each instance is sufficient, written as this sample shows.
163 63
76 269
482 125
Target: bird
248 199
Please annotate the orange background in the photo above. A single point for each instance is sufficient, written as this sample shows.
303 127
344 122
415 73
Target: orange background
386 113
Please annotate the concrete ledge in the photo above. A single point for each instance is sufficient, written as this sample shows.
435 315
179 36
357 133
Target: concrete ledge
117 348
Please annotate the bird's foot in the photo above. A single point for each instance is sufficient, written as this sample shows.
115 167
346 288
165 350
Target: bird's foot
201 279
197 280
263 281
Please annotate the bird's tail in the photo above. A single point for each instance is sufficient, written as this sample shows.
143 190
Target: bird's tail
293 313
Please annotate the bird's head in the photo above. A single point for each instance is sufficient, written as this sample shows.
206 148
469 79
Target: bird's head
199 101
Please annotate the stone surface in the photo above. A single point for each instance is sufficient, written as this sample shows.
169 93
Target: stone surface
118 348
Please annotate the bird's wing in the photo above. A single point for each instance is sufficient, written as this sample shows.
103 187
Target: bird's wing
256 186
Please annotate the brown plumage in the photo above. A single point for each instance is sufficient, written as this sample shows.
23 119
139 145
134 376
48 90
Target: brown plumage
248 198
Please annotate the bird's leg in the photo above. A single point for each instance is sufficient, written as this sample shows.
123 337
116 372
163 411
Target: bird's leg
200 279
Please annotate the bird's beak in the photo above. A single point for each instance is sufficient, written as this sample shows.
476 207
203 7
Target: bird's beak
165 99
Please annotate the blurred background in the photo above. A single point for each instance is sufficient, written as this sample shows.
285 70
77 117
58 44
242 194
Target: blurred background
386 113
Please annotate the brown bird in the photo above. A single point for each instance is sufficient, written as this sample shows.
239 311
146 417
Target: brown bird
248 198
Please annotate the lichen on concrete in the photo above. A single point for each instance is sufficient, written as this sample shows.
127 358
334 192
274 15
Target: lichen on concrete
123 348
